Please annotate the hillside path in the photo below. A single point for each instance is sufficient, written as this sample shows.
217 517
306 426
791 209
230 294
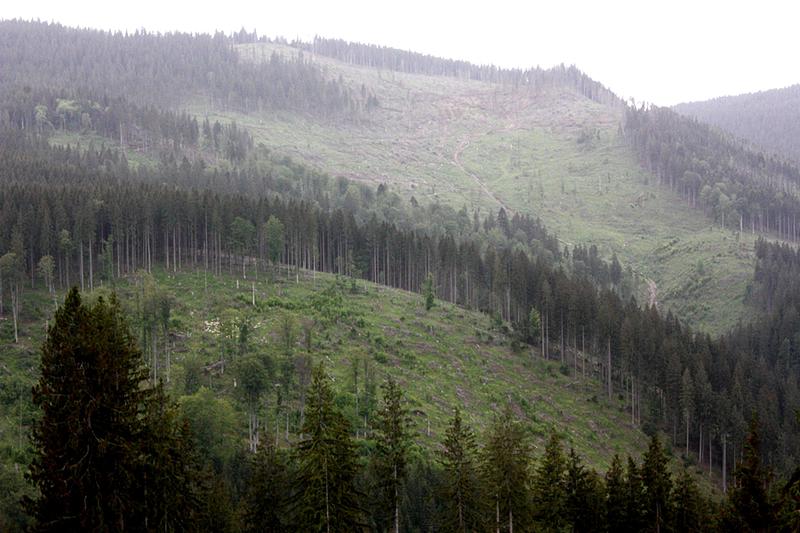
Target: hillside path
457 161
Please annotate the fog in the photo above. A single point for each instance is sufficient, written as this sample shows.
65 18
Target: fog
664 53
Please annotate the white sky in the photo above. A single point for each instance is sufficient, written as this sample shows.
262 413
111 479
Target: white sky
662 52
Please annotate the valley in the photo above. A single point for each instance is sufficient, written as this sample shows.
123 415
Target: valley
336 286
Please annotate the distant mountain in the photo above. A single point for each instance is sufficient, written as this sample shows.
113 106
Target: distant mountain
770 119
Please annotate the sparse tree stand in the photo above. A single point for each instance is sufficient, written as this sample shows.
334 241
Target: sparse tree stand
12 273
109 453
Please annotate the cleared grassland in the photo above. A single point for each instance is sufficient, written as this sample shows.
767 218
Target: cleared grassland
549 153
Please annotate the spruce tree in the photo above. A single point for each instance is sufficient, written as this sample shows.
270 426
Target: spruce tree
749 505
634 498
688 512
616 501
584 496
549 490
265 501
506 470
428 292
326 498
109 453
461 496
657 484
392 445
788 515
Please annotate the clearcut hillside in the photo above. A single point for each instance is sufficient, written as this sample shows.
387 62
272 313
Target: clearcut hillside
547 151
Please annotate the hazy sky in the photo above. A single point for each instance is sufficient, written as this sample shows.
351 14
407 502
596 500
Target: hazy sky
659 52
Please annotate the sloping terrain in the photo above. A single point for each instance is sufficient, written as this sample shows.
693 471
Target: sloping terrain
548 152
769 119
443 358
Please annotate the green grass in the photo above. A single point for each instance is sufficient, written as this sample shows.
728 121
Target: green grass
450 140
442 358
594 193
475 144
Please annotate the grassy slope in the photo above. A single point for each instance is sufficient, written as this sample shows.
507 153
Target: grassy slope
442 358
476 144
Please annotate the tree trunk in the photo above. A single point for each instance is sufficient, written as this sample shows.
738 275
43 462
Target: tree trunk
396 503
327 501
724 464
80 263
544 356
700 446
91 268
687 435
15 309
497 513
608 370
562 337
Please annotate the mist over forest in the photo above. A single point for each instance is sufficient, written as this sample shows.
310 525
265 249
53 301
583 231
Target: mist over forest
257 284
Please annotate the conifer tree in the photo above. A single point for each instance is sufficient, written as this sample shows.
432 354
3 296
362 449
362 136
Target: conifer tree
274 233
616 501
392 446
428 292
583 496
749 505
461 491
549 491
326 497
634 498
789 509
688 513
506 470
109 455
265 501
657 484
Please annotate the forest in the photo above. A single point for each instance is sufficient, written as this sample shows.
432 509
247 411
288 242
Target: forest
768 119
711 171
201 196
699 390
382 57
159 70
160 479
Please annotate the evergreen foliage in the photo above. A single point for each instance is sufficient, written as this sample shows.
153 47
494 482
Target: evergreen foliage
750 504
325 495
506 470
393 441
461 494
657 484
264 506
110 455
155 69
550 486
428 292
768 119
